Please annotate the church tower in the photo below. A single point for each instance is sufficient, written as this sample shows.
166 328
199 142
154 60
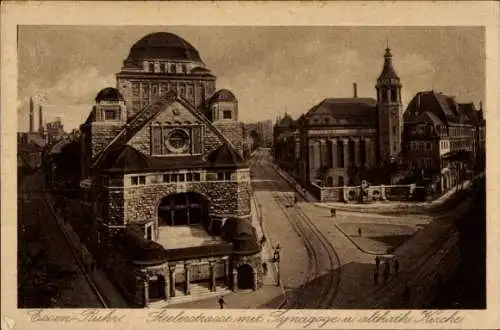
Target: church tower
389 110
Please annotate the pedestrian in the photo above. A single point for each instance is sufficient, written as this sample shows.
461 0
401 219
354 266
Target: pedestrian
262 240
295 200
264 268
386 275
359 232
332 212
221 302
375 277
377 261
396 266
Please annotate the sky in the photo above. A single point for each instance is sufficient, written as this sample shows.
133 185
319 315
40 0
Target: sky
271 70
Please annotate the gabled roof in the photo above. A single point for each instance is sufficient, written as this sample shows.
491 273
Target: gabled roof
443 106
225 156
144 117
429 117
345 107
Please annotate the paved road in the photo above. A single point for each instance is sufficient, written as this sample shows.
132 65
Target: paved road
35 213
309 265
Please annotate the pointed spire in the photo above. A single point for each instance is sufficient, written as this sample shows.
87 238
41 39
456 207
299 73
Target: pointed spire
388 69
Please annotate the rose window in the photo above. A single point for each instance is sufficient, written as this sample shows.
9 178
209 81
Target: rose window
177 141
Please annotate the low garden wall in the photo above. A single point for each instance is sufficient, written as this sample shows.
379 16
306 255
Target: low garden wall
352 194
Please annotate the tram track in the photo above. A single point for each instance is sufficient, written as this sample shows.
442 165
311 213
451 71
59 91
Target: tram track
320 283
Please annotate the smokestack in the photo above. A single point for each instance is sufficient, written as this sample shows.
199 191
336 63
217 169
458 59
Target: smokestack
355 90
32 116
40 119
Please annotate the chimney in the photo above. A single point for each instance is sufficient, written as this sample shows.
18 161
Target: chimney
355 90
418 101
32 117
480 105
40 119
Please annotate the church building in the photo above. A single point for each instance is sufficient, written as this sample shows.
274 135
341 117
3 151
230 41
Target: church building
341 136
164 180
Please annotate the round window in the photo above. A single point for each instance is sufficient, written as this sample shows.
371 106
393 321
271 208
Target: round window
177 141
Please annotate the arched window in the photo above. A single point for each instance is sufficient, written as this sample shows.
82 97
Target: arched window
340 153
184 68
151 67
172 68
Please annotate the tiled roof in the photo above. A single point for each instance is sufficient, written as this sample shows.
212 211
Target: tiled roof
225 156
130 160
345 107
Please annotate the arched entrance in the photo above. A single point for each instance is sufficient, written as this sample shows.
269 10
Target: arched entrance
183 209
156 288
245 277
329 181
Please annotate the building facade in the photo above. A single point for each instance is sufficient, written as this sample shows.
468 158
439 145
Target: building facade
435 127
340 138
164 179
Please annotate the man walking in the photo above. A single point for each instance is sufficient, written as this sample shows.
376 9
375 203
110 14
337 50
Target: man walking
221 302
359 232
377 261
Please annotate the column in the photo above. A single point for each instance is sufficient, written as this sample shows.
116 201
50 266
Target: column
322 153
317 156
213 286
346 152
368 145
235 280
254 274
146 291
187 276
311 155
356 152
171 279
226 272
334 153
167 286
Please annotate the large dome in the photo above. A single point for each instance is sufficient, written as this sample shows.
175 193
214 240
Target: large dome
162 45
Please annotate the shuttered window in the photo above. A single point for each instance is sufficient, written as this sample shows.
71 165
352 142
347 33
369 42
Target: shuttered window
157 140
197 140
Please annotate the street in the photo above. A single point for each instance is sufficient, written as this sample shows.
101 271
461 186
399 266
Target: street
324 264
51 275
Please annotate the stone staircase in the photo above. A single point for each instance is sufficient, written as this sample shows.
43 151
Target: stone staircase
198 292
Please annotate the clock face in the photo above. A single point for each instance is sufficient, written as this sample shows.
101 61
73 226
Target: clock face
177 141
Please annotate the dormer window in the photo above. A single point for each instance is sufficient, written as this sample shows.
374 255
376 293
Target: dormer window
227 114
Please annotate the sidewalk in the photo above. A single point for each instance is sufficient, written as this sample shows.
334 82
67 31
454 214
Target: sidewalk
111 295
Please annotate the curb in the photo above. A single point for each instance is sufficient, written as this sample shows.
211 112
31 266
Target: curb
266 246
359 247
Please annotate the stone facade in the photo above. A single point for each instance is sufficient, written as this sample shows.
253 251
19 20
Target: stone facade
143 147
234 133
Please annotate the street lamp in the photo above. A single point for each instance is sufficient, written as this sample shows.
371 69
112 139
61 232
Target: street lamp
276 259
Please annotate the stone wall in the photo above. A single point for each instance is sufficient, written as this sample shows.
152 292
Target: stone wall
211 140
101 135
374 193
226 198
233 131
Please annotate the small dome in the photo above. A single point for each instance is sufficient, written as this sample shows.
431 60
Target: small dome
164 46
109 94
223 95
